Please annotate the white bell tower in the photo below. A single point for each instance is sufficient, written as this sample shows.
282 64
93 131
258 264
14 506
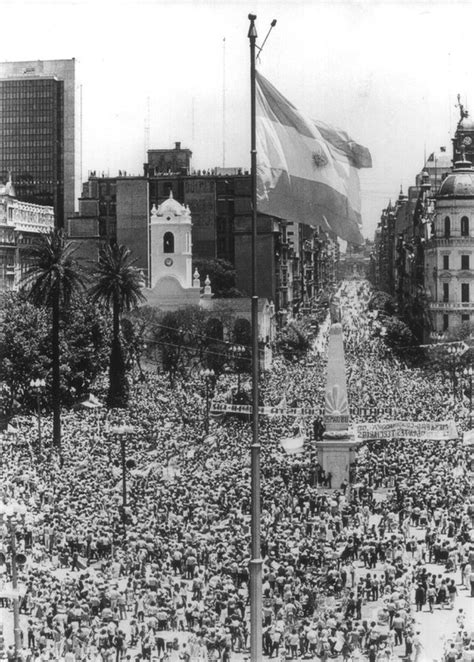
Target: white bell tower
171 275
171 250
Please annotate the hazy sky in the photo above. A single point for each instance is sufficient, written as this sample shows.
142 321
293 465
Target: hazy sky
387 72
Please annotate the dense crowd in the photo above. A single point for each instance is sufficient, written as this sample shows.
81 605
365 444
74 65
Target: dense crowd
344 571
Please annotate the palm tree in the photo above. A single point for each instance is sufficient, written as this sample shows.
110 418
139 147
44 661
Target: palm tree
52 277
118 286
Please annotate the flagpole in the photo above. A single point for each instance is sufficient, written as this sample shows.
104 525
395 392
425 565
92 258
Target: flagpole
255 561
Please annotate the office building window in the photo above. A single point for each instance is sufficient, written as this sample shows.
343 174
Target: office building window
465 292
465 318
464 226
445 261
465 262
445 322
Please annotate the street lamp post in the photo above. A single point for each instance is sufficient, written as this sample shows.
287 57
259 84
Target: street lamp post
37 386
237 352
121 431
207 374
454 351
14 511
468 372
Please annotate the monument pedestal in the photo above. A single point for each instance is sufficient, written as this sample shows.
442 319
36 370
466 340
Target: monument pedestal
335 455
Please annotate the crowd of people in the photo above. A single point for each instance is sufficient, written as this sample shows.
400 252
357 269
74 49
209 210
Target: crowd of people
345 571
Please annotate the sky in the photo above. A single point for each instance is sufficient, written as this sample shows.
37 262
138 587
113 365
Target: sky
154 72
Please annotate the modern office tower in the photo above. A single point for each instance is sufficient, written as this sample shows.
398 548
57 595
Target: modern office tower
37 132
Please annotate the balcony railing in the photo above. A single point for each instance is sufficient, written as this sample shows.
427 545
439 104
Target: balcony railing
451 305
435 242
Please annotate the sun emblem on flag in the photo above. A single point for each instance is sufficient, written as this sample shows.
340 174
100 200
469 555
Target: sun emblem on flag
319 158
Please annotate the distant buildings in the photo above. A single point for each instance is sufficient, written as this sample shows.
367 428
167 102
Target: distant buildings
296 262
37 132
20 225
424 244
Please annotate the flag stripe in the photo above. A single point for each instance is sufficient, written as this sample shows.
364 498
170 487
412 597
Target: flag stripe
303 201
291 152
272 104
305 170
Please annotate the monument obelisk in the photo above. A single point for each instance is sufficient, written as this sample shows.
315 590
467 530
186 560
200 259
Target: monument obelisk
336 450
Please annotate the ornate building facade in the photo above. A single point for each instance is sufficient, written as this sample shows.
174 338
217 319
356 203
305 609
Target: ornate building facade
20 225
450 251
424 244
449 264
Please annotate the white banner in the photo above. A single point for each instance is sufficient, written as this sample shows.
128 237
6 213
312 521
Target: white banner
293 445
221 408
406 430
387 413
468 438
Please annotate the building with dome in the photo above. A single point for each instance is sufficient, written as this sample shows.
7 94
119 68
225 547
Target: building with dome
423 250
449 259
449 256
438 165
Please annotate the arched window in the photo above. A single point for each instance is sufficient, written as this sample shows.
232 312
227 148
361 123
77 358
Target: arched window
447 227
168 242
464 226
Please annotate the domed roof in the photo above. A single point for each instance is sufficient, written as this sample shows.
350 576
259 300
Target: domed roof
170 207
466 124
439 159
459 183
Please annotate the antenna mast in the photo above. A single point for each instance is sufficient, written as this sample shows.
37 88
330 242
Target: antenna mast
223 103
147 127
81 134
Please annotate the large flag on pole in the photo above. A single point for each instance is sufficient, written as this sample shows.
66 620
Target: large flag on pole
306 169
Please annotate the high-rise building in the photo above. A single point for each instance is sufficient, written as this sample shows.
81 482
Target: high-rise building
37 132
